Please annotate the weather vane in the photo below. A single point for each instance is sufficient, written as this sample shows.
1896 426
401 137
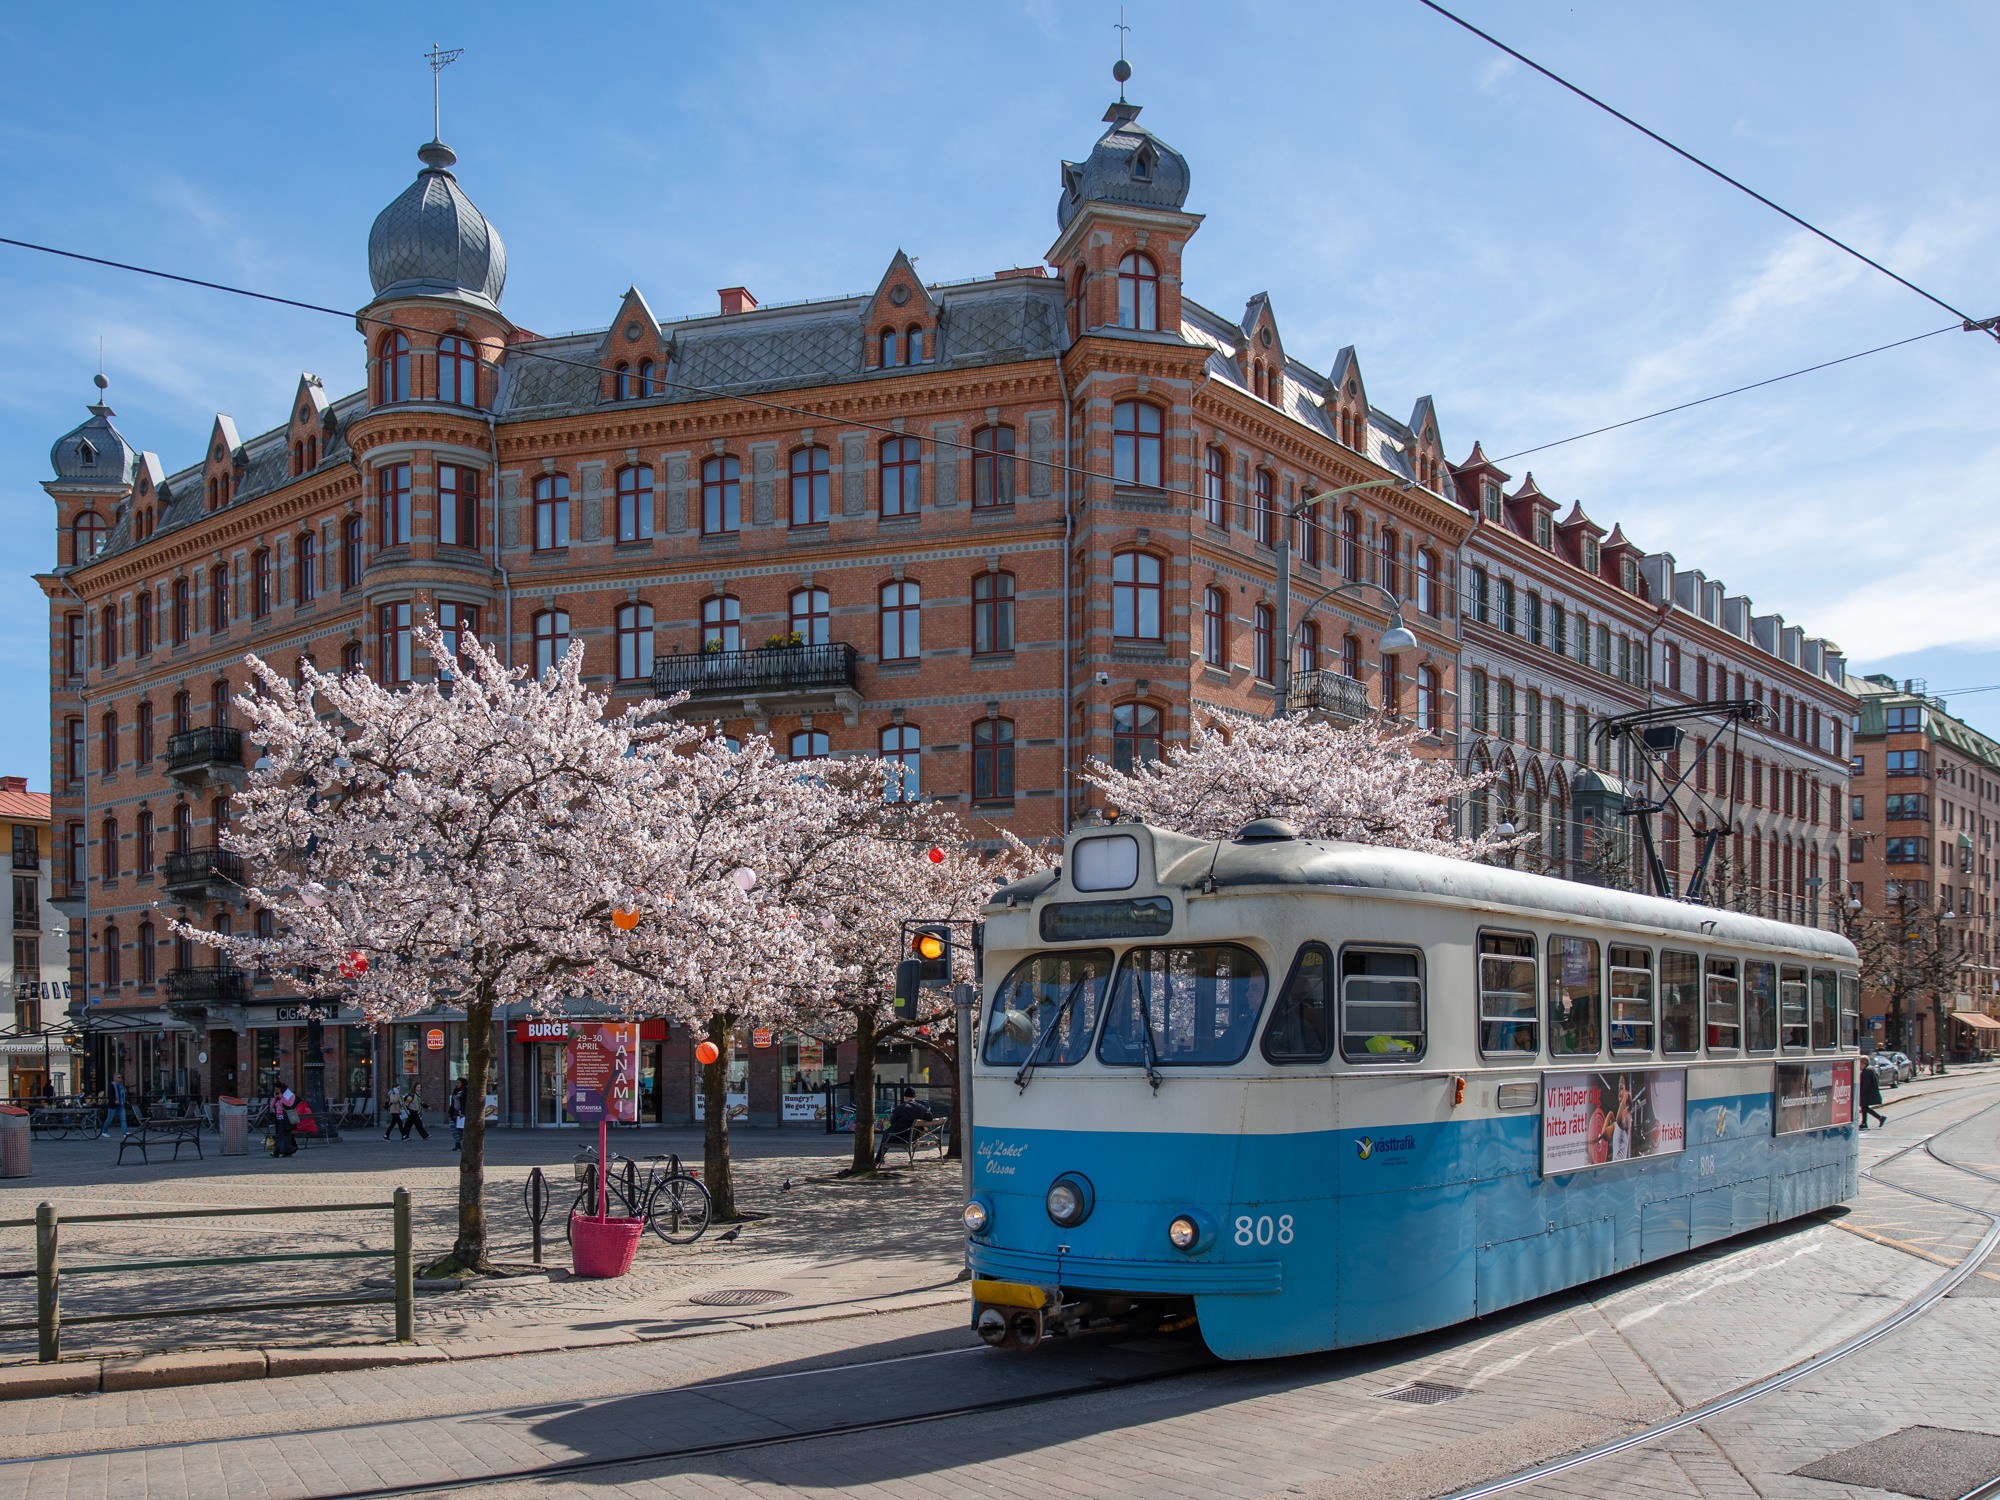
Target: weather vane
440 58
1121 70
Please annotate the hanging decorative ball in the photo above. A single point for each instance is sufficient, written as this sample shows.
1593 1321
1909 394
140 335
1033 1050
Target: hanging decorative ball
353 966
744 877
312 893
707 1053
624 919
936 856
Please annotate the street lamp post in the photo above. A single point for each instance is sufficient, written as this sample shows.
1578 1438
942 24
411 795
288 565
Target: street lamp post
1397 638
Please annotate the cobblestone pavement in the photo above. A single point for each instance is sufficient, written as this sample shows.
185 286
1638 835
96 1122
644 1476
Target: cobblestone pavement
1155 1416
821 1242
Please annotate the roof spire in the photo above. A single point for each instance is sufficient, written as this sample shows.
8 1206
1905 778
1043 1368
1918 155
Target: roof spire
1121 70
439 59
99 407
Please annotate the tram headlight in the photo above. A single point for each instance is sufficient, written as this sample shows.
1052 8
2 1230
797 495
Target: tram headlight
1069 1200
977 1216
1191 1232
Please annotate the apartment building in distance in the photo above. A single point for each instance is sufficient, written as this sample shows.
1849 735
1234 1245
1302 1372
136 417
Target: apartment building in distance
986 529
35 1033
1564 625
1924 807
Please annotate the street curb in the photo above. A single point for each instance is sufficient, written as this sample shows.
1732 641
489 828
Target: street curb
226 1366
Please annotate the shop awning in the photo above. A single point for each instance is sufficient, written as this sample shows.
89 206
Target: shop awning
1976 1021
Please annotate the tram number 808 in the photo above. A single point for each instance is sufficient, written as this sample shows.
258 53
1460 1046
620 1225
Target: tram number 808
1263 1229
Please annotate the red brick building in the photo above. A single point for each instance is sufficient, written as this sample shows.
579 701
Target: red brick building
989 528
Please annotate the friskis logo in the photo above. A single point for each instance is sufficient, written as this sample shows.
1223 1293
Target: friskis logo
1365 1147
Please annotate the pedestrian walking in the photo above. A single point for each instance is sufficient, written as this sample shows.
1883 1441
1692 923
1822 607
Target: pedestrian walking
115 1101
1871 1095
392 1112
284 1121
455 1111
413 1113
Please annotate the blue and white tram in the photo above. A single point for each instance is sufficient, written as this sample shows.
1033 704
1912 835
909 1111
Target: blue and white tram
1318 1094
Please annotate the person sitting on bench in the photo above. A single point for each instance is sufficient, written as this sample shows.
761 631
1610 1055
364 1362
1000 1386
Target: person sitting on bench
903 1122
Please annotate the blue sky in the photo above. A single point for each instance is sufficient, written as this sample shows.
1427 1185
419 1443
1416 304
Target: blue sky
1392 182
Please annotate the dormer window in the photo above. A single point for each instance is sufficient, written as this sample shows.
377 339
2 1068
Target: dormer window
1490 498
891 348
1590 562
913 347
1142 165
1631 574
621 382
85 453
647 385
1545 530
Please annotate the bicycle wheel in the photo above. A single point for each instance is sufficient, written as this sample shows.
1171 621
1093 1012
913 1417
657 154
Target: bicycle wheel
680 1210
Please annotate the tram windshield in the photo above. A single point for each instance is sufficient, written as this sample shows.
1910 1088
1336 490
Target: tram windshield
1200 1006
1046 1010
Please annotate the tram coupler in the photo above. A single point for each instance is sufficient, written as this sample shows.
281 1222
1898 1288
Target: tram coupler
1011 1315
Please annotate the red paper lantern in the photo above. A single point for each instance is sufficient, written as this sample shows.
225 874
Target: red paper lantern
707 1053
937 856
353 966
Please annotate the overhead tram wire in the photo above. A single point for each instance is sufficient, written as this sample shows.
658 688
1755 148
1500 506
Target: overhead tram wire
1967 322
712 392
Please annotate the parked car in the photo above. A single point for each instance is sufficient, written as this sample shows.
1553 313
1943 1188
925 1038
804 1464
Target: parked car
1886 1071
1905 1069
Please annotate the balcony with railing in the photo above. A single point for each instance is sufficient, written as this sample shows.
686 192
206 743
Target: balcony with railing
774 680
200 757
206 985
205 874
1331 695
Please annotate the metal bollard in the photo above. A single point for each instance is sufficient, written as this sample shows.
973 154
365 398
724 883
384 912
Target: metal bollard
535 1196
48 1308
406 1278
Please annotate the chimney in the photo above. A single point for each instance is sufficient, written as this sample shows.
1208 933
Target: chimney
737 299
13 783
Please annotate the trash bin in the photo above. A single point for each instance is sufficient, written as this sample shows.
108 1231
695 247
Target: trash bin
15 1158
232 1124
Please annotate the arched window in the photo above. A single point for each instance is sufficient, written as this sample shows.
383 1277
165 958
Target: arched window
812 486
901 471
1308 647
260 583
1215 486
721 496
148 952
305 571
1392 565
1138 292
1135 443
1267 507
107 636
1355 563
901 606
353 552
1135 596
183 613
635 642
1427 699
551 639
993 760
183 827
1427 581
392 492
992 613
1215 627
392 369
143 842
1307 529
1076 286
86 536
913 346
722 623
111 850
458 372
809 744
110 742
621 381
551 512
1135 735
1350 657
635 503
891 348
142 730
811 622
113 976
1392 688
1262 625
648 386
142 622
350 656
903 745
993 466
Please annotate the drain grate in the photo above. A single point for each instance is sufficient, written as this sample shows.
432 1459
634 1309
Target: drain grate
1932 1463
738 1296
1424 1393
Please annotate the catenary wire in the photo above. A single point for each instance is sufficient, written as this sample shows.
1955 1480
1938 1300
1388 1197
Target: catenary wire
1966 320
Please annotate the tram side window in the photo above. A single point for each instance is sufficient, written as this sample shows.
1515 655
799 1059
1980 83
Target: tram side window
1825 1010
1793 1027
1850 1012
1199 1006
1507 994
1631 999
1760 1006
1576 1012
1301 1029
1725 1006
1047 1007
1381 1005
1680 1002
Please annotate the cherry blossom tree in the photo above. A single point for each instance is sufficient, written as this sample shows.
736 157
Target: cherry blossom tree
1364 783
454 843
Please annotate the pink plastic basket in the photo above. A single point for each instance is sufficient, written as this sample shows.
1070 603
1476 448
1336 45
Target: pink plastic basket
603 1248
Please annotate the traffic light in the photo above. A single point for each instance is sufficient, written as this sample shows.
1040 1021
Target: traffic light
931 947
908 974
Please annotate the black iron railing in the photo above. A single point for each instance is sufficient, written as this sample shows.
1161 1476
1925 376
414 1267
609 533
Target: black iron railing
195 749
1331 693
774 669
211 985
192 867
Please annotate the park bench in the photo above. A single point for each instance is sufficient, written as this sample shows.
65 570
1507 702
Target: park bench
927 1135
159 1133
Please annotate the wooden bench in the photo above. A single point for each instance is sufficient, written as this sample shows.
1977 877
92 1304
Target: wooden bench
926 1135
158 1133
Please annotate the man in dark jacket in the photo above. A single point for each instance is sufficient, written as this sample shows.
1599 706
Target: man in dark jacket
903 1122
1871 1094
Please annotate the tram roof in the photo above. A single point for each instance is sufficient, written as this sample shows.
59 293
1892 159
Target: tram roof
1241 864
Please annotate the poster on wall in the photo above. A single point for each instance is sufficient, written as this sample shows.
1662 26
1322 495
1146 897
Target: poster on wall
800 1109
736 1106
1601 1118
1813 1096
600 1072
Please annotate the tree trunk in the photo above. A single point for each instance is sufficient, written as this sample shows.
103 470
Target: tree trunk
715 1122
469 1250
864 1092
956 1146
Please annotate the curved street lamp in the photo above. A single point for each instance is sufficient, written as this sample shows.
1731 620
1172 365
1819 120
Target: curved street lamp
1398 637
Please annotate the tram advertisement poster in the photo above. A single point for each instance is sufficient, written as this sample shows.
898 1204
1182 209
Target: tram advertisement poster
1814 1095
1598 1119
600 1068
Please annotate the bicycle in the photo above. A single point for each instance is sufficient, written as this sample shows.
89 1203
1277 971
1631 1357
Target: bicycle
673 1200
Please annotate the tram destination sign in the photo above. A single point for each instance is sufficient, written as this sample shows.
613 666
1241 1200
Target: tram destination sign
1813 1095
1604 1117
1085 921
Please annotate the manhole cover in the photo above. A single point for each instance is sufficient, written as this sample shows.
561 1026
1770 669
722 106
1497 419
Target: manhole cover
1423 1393
1933 1463
738 1296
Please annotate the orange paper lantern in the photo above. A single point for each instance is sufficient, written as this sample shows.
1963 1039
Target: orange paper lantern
707 1053
623 920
